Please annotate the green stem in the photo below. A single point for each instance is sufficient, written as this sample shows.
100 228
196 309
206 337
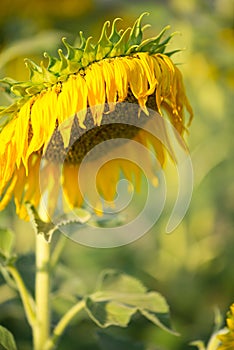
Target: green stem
57 250
27 300
9 279
63 323
41 328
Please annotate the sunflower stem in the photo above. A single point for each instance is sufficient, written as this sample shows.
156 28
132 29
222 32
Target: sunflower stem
63 323
27 300
57 251
41 329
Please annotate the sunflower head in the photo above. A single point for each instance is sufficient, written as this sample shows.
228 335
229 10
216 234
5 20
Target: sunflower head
60 112
227 339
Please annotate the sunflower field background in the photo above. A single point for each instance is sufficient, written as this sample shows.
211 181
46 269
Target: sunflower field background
194 266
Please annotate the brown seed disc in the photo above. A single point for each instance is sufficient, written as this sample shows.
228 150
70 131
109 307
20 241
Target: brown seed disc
123 122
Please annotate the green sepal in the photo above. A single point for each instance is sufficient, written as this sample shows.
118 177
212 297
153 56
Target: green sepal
82 40
7 83
132 49
20 89
74 66
170 53
89 54
36 75
35 89
9 109
151 44
104 44
70 49
118 43
48 77
78 53
162 46
15 87
115 35
63 63
54 64
74 56
135 36
120 47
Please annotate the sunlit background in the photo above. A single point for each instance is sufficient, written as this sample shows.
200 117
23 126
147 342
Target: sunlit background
194 266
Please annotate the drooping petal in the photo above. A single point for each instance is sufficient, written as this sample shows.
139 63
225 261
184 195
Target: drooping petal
122 78
8 154
110 83
52 110
70 185
96 92
21 133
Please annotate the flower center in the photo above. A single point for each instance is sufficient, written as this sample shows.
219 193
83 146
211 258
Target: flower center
123 122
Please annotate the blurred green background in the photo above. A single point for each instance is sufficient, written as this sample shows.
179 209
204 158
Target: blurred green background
194 266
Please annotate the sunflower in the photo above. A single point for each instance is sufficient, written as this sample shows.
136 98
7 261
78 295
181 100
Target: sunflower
227 339
59 114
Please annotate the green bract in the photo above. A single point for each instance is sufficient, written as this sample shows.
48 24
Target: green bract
117 43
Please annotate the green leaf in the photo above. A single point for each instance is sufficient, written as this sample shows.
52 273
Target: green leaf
108 342
6 339
109 313
6 242
113 280
160 319
120 296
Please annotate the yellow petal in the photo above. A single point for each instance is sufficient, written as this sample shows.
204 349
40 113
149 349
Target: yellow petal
110 83
96 92
7 165
21 132
121 71
39 126
8 194
6 135
71 188
63 110
80 102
